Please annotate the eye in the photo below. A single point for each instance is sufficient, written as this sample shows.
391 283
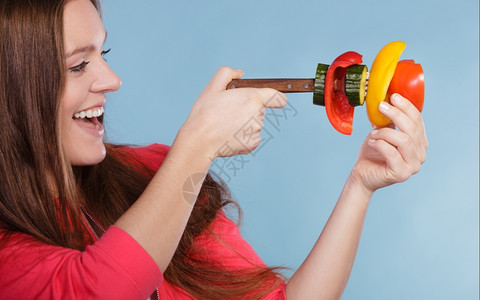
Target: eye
80 67
105 53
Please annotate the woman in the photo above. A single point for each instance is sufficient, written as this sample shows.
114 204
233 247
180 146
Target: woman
83 219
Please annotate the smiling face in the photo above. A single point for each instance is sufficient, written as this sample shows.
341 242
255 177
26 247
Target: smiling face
87 81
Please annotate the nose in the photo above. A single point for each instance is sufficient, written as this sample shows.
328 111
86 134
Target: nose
107 80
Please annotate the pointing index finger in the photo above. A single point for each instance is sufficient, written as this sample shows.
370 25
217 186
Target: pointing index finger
272 98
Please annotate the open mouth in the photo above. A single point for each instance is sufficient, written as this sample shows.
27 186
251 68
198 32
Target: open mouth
90 120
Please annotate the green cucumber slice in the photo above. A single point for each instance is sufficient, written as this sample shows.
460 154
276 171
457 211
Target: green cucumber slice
319 85
355 84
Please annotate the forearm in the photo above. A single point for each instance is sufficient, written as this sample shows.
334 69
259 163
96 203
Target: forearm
387 156
158 218
325 272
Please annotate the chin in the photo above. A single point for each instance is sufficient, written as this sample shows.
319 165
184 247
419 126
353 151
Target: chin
88 157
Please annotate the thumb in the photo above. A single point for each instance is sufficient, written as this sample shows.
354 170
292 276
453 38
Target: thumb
222 77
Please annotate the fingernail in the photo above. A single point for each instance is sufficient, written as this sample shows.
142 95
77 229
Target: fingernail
396 98
384 106
374 132
371 142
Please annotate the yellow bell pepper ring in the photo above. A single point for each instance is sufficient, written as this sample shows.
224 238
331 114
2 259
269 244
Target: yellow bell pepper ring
381 74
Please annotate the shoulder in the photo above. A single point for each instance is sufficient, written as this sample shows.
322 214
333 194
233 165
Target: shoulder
151 156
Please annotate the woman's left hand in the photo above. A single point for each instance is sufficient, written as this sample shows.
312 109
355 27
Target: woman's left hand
387 155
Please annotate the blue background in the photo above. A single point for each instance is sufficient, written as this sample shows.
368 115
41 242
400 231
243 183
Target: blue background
420 239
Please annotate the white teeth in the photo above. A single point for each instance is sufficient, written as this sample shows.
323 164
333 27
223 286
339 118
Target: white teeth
90 113
98 112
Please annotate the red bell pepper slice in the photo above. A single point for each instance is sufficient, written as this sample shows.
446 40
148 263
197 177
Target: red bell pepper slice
339 111
408 81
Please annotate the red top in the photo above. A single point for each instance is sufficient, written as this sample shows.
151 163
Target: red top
115 266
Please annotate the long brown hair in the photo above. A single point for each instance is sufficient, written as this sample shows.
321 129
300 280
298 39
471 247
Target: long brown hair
34 169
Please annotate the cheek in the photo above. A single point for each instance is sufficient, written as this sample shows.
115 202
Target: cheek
67 110
75 93
80 147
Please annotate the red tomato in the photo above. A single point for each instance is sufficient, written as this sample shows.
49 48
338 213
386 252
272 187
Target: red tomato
408 81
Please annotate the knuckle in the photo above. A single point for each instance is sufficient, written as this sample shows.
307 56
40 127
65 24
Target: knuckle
262 111
417 117
224 69
244 150
257 98
426 144
391 152
411 127
403 176
394 177
224 72
279 99
405 140
260 125
415 168
422 157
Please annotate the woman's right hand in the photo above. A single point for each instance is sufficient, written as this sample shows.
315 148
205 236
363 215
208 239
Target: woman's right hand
221 123
228 122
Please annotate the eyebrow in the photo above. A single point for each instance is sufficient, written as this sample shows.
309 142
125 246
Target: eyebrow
84 49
